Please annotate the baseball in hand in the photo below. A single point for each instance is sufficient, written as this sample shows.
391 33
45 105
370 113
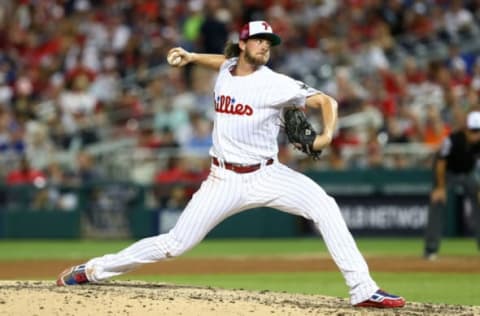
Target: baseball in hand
174 59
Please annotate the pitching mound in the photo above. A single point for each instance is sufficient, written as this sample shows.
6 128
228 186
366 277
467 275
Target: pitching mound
139 298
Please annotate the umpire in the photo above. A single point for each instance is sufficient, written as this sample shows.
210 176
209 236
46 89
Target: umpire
454 167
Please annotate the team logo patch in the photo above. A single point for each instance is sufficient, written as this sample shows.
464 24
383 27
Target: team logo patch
228 105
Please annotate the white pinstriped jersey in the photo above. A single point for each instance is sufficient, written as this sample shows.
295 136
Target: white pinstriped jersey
248 112
247 121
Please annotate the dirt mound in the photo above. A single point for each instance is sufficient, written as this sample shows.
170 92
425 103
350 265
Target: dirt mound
140 298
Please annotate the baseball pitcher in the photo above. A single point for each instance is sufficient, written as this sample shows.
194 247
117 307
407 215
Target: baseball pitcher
251 102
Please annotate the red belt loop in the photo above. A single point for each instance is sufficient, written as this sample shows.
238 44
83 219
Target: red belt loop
238 168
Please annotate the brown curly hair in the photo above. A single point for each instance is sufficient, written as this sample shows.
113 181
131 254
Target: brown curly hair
231 50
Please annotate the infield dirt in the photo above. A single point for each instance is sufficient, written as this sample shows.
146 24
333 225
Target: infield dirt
138 298
42 298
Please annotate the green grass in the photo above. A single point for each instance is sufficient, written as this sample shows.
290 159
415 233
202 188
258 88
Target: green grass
419 287
55 249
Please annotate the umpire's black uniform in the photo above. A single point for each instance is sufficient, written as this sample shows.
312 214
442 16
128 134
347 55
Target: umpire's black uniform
454 166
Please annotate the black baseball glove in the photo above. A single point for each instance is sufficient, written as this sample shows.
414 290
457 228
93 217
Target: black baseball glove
300 132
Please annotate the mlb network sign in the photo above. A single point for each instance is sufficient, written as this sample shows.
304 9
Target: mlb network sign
385 215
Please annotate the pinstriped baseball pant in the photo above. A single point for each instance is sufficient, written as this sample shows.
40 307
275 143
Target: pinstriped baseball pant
225 193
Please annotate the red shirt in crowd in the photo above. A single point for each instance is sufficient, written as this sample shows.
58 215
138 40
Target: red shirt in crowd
24 176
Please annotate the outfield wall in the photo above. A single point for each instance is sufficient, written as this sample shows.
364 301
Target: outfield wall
373 203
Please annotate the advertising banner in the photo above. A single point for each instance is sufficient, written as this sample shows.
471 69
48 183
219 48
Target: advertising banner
385 215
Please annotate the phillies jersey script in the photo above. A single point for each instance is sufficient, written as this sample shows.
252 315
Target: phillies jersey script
248 112
245 173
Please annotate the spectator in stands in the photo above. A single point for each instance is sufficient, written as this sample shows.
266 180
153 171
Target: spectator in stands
454 167
57 195
476 76
397 133
174 176
144 165
39 148
6 91
56 43
393 12
26 175
335 159
191 28
374 152
434 130
127 110
80 116
147 138
106 85
414 74
423 87
201 86
349 92
213 30
55 173
403 128
11 133
88 176
26 186
458 20
460 79
86 171
157 95
419 23
200 138
168 140
175 118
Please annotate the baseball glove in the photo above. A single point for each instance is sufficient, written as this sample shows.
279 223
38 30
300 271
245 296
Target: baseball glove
300 132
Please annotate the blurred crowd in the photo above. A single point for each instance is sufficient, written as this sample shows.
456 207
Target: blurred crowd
75 73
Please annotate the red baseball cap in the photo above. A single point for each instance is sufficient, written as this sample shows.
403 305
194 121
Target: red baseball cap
261 29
